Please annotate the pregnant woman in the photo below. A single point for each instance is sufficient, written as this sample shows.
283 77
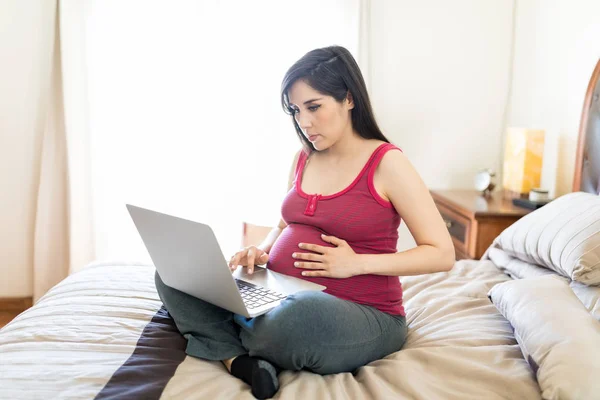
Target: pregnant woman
348 190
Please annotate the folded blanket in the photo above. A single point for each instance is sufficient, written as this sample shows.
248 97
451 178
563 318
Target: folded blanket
515 268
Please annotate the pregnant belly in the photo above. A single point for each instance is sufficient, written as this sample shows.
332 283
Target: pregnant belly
280 256
380 291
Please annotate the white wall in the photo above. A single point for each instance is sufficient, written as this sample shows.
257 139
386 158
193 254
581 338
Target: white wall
557 47
25 46
438 79
439 83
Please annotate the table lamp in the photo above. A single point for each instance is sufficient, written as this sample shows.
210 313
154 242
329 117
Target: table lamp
523 158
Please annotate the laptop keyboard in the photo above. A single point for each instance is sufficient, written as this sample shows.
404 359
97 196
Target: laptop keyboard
256 296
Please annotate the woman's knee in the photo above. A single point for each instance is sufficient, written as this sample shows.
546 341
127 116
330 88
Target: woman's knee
160 285
164 292
173 299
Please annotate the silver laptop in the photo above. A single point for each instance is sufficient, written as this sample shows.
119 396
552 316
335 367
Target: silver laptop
188 257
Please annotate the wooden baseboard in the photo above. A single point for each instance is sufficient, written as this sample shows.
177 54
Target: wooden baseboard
15 304
10 307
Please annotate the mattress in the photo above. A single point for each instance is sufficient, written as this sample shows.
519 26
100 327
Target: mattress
103 333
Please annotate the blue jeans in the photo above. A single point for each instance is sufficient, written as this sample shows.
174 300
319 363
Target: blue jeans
309 330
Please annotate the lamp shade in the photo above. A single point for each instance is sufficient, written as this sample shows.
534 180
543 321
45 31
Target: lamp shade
523 158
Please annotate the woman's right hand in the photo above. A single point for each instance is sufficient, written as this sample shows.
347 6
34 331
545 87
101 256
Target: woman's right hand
248 257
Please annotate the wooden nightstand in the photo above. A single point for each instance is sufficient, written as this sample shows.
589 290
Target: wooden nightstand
474 221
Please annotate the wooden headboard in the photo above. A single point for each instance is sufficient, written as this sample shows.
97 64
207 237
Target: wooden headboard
587 162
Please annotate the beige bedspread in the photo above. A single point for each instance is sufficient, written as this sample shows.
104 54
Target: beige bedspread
92 336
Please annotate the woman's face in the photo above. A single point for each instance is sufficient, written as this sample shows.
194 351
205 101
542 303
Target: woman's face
323 120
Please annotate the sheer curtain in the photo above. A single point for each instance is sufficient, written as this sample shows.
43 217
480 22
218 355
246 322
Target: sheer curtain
62 241
184 109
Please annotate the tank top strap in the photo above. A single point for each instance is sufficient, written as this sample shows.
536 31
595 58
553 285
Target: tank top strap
381 151
378 155
300 164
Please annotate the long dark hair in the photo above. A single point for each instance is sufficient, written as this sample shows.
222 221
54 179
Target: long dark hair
334 72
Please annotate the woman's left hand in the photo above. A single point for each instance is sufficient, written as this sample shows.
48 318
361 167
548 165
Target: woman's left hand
333 262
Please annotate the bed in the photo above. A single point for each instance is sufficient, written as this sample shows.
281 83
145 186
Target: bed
487 329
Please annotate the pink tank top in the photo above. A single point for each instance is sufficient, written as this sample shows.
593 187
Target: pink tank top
357 215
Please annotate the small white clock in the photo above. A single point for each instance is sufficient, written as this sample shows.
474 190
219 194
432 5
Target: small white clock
484 181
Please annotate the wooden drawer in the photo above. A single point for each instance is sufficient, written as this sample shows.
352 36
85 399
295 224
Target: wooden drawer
474 220
459 228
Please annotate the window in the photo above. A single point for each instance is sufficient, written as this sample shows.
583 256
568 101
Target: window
185 116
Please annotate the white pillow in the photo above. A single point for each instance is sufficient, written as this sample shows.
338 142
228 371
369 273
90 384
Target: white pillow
557 335
563 236
518 269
